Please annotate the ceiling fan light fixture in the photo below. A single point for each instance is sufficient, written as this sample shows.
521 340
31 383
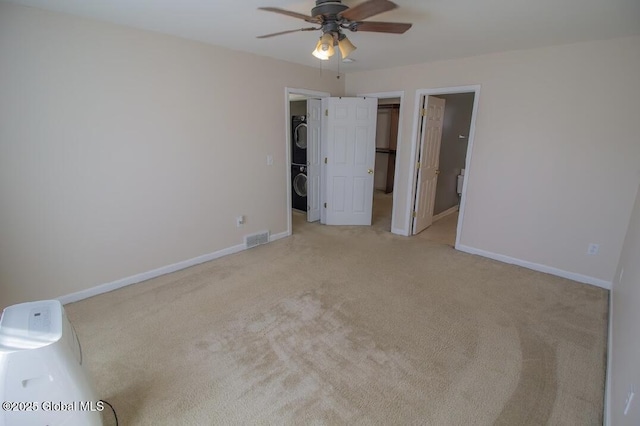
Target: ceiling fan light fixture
326 42
332 17
345 46
319 53
324 48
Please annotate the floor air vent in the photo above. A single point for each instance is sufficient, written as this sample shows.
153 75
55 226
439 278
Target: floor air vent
256 239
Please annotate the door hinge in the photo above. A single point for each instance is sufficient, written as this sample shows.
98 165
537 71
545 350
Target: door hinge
423 112
418 165
325 160
414 214
326 112
325 205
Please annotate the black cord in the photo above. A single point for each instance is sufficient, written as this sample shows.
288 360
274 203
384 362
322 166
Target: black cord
112 409
75 334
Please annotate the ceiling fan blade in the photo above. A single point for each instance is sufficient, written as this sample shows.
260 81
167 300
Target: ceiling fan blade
383 27
287 32
368 9
290 13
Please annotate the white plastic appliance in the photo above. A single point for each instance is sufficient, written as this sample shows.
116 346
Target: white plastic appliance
41 372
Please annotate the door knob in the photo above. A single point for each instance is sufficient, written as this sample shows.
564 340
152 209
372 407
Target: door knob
437 172
370 171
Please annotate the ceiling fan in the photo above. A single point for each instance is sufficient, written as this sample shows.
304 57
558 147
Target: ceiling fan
332 17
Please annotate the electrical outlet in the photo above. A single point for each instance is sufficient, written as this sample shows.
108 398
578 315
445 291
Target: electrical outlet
627 403
593 248
239 221
269 160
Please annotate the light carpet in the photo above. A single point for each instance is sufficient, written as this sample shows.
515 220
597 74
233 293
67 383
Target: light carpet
349 325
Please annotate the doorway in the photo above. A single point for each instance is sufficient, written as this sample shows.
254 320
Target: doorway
440 164
386 149
296 102
293 105
388 133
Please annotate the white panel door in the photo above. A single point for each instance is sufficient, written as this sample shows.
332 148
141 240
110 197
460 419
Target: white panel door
314 155
428 160
349 140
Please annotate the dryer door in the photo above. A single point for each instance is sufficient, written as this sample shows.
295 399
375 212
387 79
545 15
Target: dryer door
300 184
300 136
300 144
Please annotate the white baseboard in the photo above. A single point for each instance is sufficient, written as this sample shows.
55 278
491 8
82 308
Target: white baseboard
278 236
445 213
123 282
537 267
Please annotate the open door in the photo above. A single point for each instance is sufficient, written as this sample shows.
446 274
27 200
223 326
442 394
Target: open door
428 159
349 157
314 155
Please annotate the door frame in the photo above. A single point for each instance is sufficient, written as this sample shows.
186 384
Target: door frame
399 149
287 125
411 190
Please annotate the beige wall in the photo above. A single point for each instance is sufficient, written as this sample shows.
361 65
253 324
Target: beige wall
625 349
122 151
556 156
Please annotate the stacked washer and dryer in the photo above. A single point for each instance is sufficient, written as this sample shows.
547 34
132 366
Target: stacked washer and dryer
299 162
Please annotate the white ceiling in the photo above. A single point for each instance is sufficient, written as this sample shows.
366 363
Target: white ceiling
442 29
